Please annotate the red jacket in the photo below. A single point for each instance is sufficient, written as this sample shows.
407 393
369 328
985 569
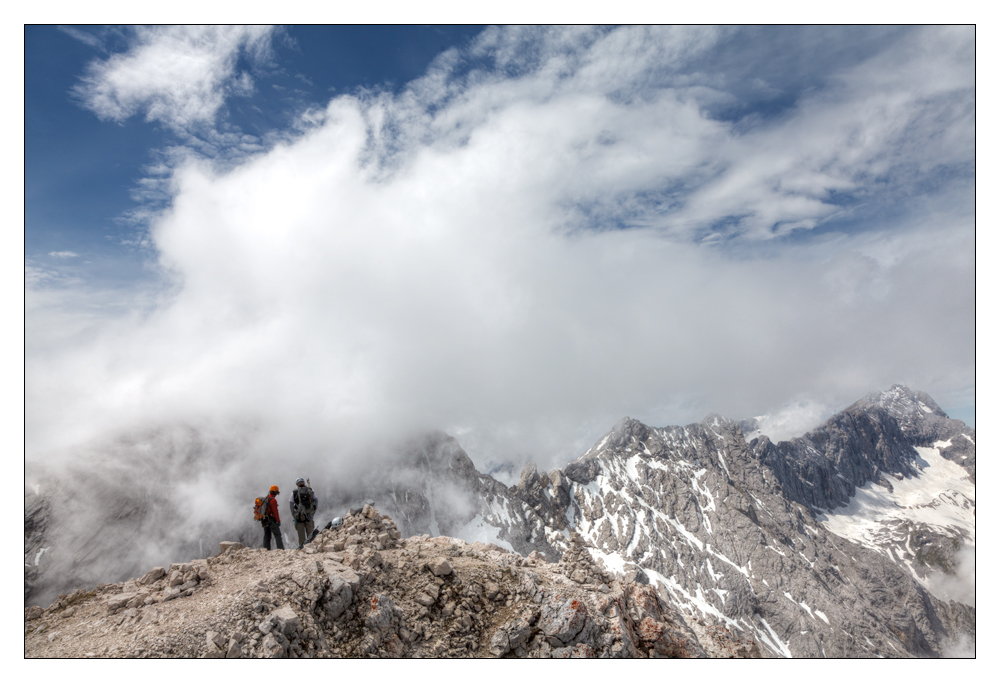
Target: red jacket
272 507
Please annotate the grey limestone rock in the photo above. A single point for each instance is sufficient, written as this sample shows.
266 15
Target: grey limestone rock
152 576
561 620
439 567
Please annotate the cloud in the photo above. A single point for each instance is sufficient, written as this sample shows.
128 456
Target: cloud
963 647
792 420
960 584
83 36
178 76
63 254
512 249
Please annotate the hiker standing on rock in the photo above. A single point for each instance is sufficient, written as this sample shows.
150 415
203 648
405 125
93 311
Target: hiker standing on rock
303 504
271 521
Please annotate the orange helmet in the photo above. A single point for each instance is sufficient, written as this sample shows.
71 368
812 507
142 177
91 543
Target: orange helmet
274 489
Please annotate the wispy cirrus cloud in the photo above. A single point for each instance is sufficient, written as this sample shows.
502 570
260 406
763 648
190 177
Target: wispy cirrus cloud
84 37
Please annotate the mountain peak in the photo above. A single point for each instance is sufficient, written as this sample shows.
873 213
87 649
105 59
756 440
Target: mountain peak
903 403
714 420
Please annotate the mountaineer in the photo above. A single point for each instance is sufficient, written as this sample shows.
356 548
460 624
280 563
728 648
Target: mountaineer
303 504
271 521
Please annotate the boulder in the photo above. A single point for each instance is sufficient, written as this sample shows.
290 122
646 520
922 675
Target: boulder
214 639
118 602
440 567
338 596
346 574
153 575
171 593
381 615
271 648
561 620
285 619
510 636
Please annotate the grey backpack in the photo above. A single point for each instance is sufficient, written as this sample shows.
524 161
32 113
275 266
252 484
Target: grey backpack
304 500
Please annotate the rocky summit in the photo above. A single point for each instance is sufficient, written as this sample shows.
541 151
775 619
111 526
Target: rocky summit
856 539
361 591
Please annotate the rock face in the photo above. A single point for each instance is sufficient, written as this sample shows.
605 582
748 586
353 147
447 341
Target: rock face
833 544
768 541
897 456
380 597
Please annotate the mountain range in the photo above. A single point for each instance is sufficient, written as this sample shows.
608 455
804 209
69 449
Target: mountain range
856 539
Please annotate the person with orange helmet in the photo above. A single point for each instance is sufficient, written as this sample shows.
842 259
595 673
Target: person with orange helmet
271 521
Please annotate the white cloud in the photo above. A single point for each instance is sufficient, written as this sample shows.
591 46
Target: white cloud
960 584
177 75
793 419
63 254
446 257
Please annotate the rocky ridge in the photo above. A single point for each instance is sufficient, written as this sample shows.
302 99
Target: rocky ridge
751 537
361 591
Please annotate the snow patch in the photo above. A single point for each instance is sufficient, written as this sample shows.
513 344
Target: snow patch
613 562
940 496
687 602
708 564
658 465
630 467
479 529
772 640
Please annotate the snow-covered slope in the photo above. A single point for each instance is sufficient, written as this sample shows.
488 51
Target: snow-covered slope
938 501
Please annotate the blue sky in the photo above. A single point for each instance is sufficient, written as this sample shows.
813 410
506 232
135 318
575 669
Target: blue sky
80 172
515 234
